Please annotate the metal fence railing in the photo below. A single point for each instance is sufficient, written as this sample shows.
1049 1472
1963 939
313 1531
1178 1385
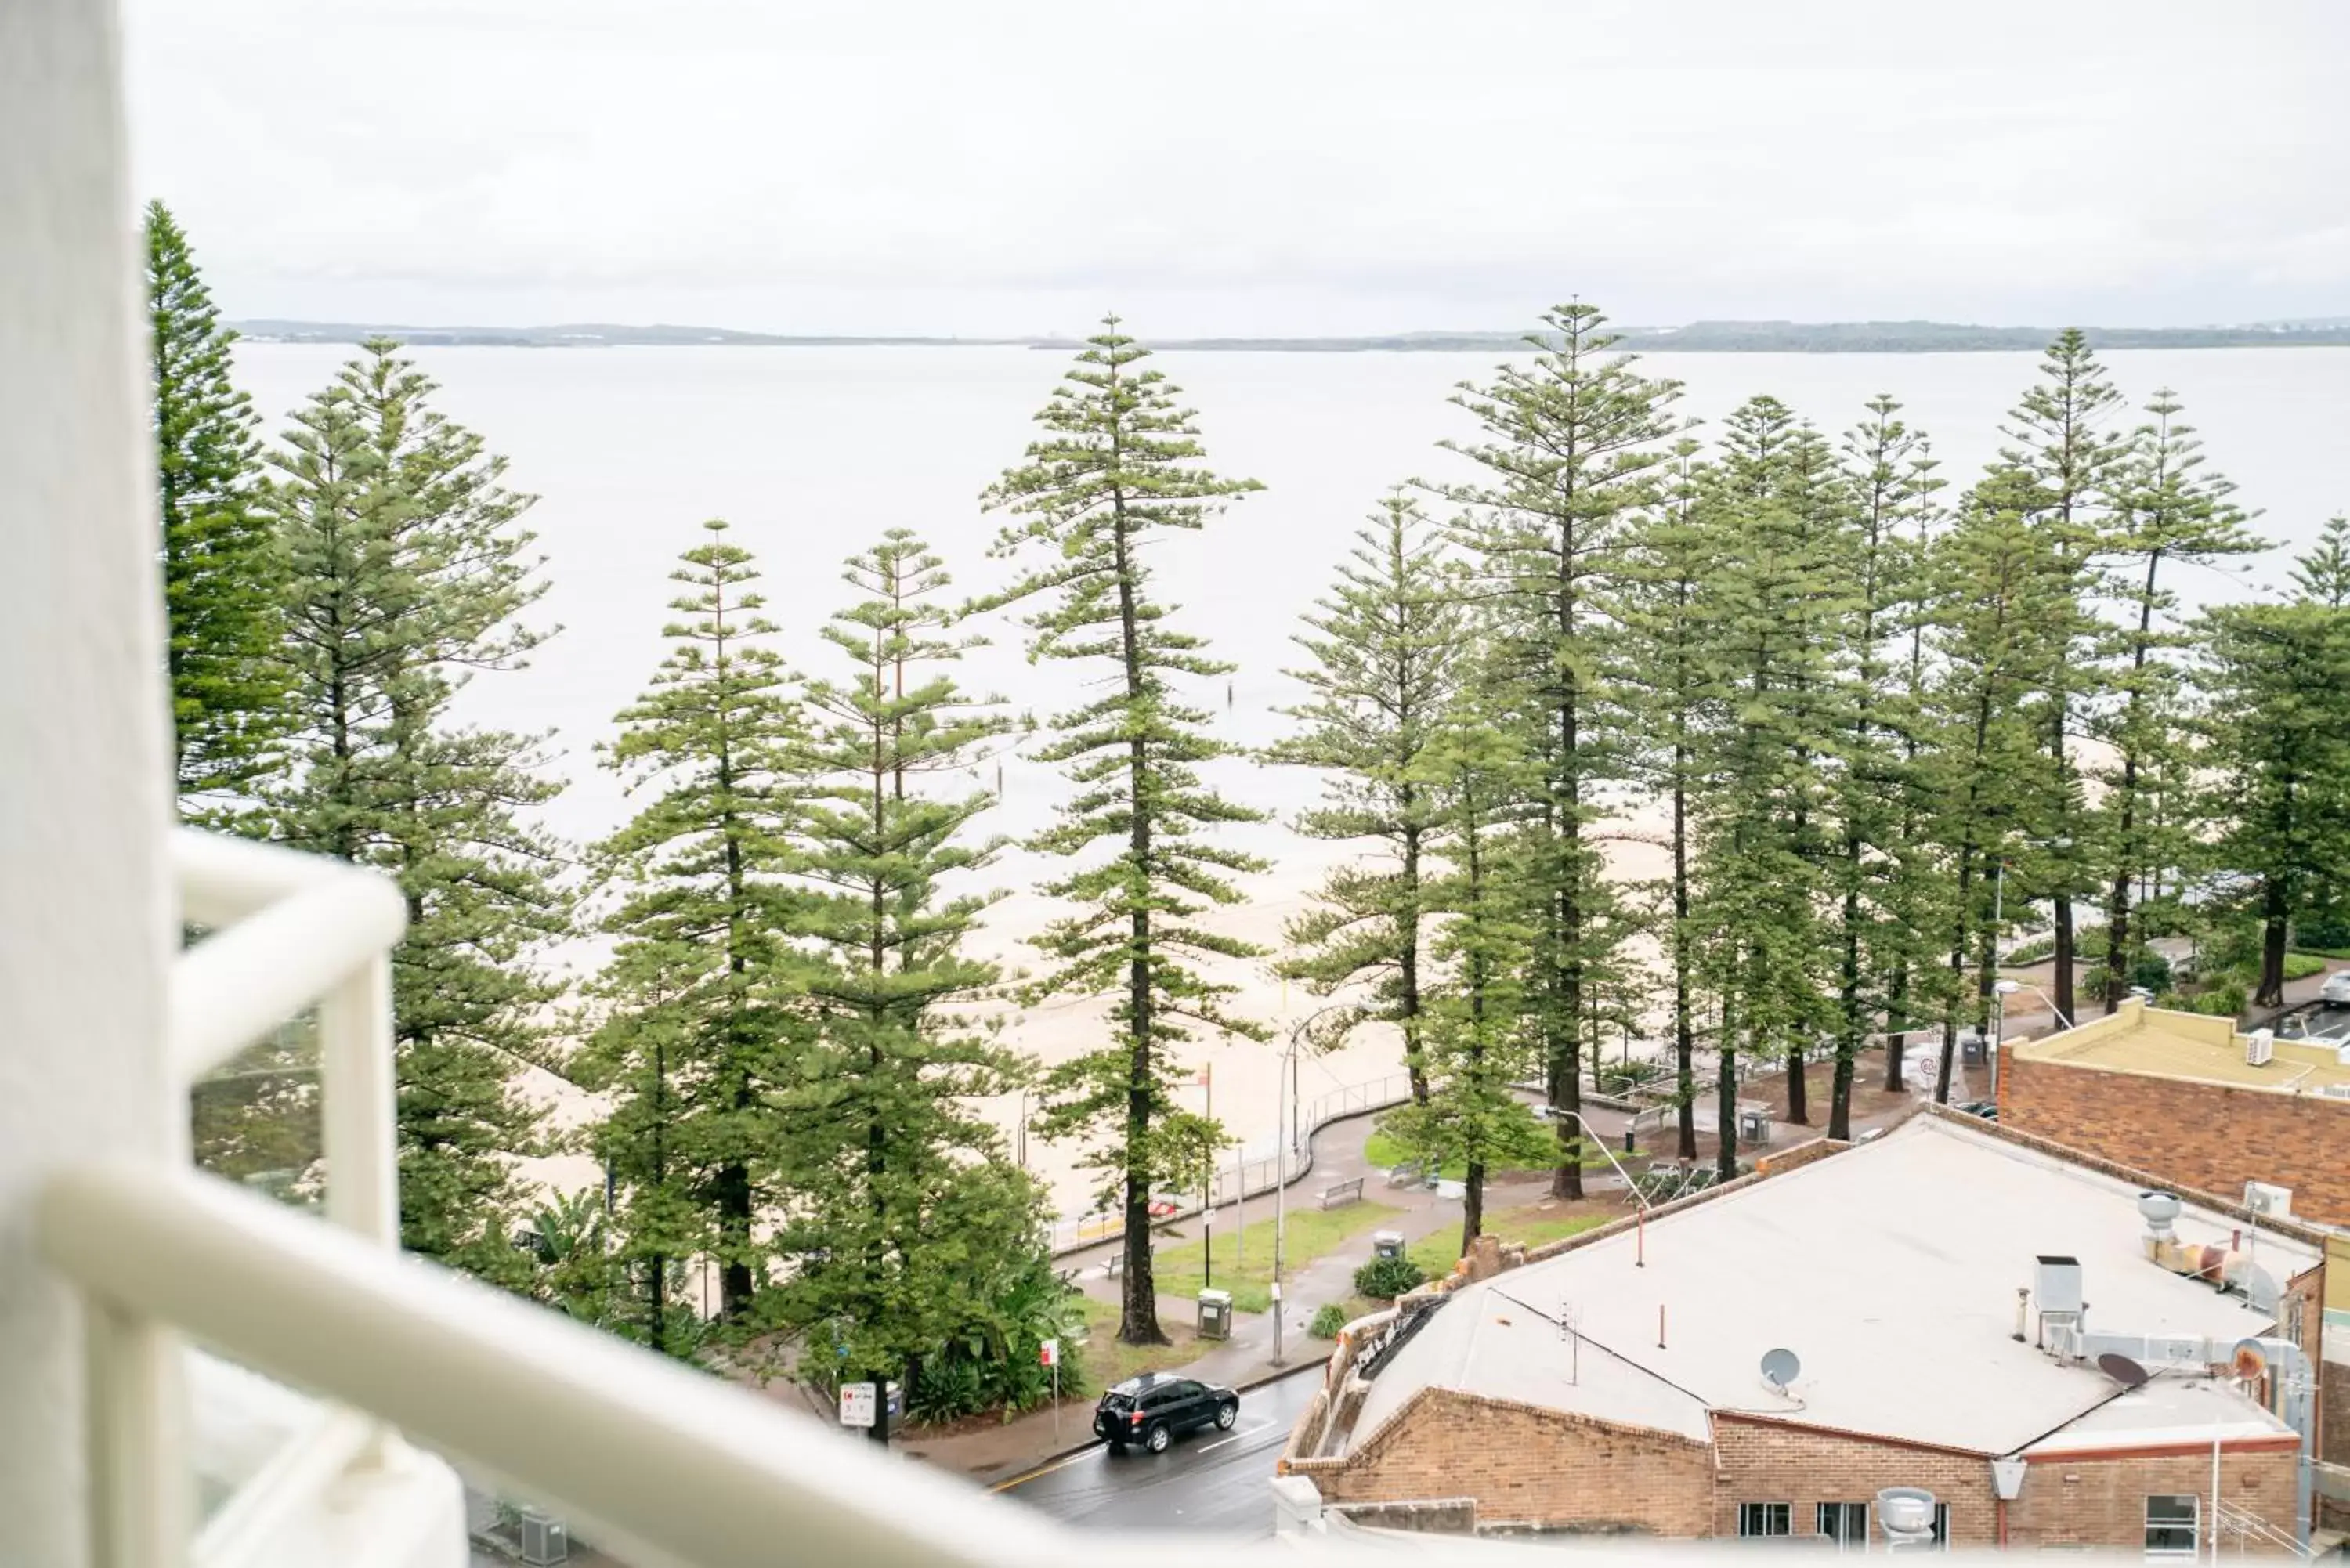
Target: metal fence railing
1253 1174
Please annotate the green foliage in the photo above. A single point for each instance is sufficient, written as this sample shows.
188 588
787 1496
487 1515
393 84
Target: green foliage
1780 610
1575 445
1329 1321
699 1014
2224 1001
405 576
2169 514
1389 645
2280 745
1477 1042
1384 1279
2001 596
221 567
1118 467
986 1355
896 1182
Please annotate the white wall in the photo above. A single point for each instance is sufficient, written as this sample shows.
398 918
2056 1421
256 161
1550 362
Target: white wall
86 925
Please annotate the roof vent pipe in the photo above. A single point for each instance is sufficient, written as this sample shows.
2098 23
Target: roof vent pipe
1907 1514
2158 1209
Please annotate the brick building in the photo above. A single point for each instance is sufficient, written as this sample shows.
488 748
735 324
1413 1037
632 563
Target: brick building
2200 1105
2193 1099
1944 1292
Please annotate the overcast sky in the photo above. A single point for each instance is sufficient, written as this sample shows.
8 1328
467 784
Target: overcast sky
1006 167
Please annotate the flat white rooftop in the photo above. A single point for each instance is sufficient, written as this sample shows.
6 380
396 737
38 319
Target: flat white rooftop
1890 1269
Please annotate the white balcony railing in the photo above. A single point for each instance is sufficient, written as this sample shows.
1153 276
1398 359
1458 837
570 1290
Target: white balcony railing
668 1467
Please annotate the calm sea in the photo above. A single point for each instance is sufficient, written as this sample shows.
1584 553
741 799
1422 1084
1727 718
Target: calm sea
811 453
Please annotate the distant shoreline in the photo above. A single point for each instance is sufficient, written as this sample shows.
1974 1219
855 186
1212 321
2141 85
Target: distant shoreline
1698 338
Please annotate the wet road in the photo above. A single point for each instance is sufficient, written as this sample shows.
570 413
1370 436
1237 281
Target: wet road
1210 1480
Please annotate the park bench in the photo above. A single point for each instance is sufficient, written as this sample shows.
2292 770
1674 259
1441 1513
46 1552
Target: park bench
1339 1193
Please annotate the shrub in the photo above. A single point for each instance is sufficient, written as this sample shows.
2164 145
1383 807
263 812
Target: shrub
2032 952
2300 966
1384 1279
2327 930
2220 1001
1328 1321
2151 973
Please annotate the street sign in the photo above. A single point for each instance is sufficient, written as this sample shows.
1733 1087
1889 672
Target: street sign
1048 1354
856 1402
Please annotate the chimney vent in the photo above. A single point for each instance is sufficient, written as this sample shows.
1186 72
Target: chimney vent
2158 1209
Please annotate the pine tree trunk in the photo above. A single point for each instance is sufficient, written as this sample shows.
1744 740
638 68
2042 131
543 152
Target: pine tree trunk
1139 1293
2064 956
1684 1034
1473 1205
1566 1075
2275 931
1725 1160
1848 1036
1958 960
1415 1060
2125 855
2118 897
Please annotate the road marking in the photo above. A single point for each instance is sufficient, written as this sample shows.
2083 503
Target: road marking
1236 1436
1044 1470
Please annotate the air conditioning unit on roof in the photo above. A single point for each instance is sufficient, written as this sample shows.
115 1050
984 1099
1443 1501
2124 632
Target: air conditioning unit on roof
544 1541
2260 1048
2261 1197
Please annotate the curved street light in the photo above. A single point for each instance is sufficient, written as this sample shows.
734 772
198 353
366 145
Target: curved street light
1285 1095
2004 989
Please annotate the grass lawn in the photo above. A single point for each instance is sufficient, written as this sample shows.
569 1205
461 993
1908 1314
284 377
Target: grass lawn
1532 1225
1106 1361
1244 1258
1384 1153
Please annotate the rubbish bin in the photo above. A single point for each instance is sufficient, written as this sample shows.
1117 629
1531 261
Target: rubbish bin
1754 1126
1387 1244
1215 1315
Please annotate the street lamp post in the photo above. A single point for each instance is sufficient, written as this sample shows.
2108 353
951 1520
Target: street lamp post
1285 1093
2003 990
1641 1246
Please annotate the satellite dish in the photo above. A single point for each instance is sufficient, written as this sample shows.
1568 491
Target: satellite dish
2121 1369
1781 1368
2251 1361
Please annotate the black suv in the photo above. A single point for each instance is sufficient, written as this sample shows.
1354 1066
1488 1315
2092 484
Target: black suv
1154 1408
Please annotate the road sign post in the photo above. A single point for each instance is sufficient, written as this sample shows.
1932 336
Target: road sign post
1049 1353
857 1401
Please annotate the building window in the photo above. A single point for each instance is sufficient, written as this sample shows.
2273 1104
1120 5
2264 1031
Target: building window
1759 1519
2170 1524
1847 1524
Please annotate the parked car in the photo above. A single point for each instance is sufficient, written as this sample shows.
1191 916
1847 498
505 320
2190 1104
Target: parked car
2336 989
1156 1408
